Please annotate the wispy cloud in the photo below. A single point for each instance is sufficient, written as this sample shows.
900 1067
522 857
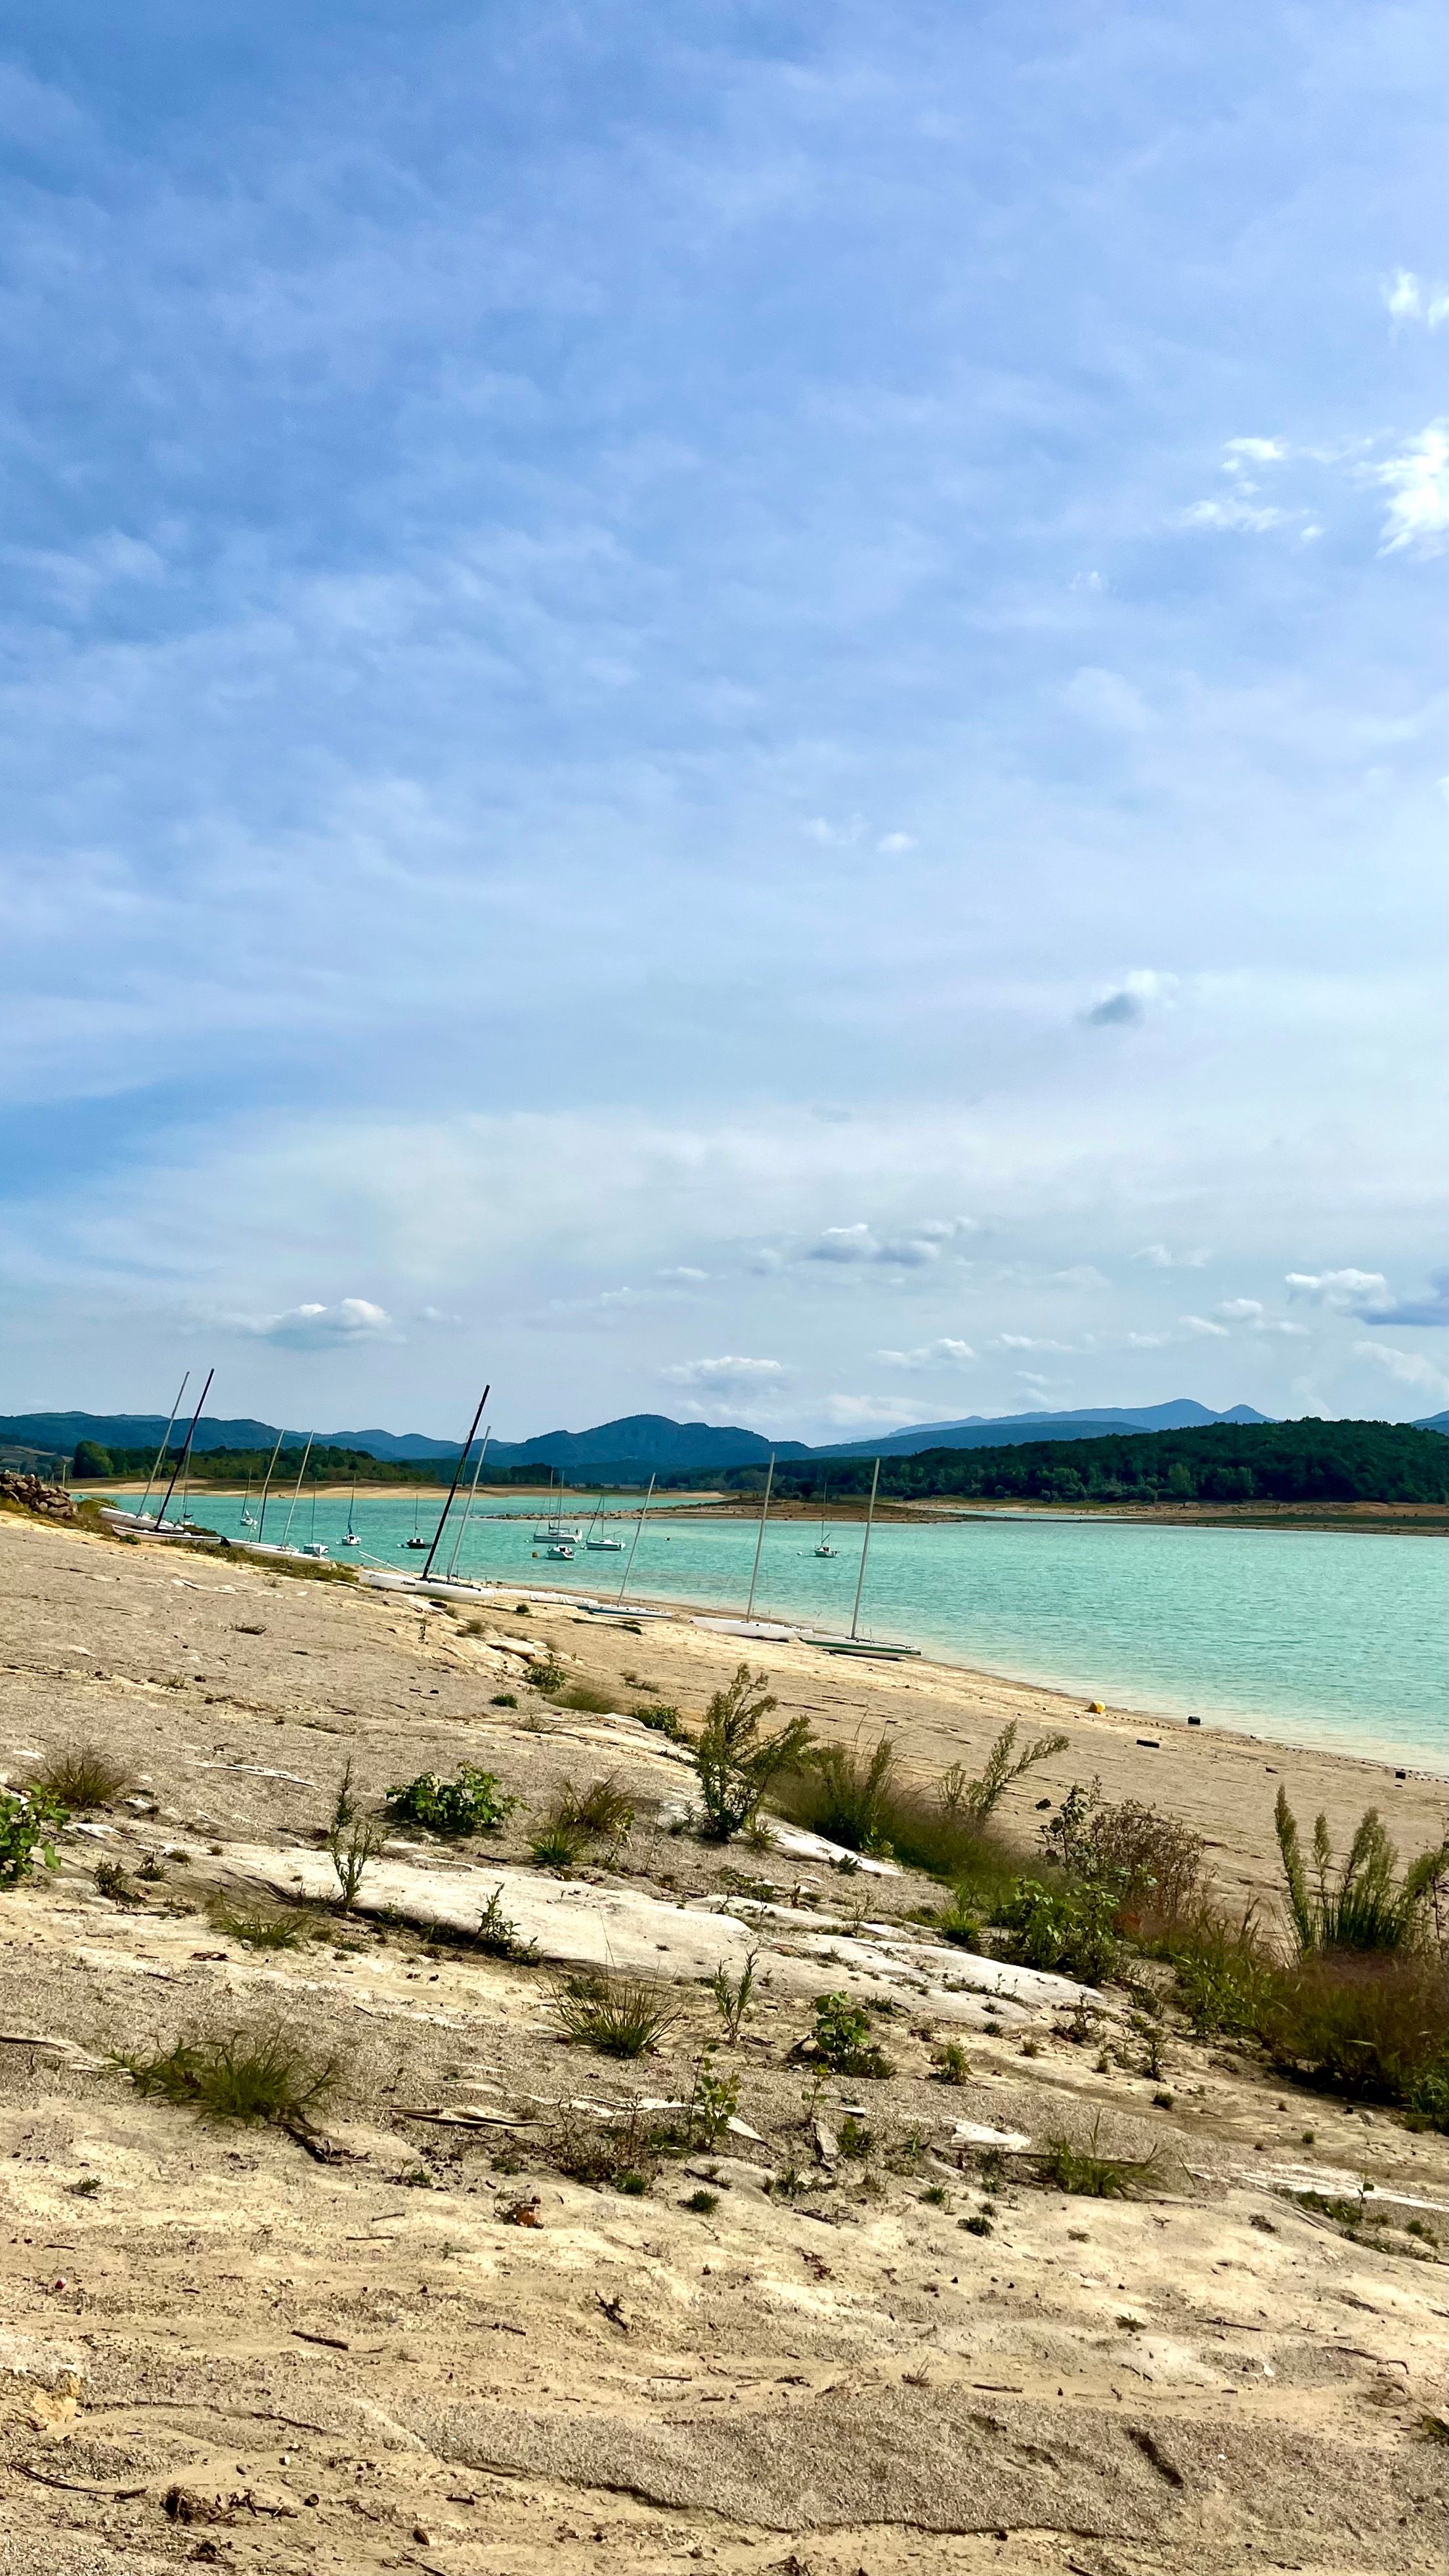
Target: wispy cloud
943 1354
1405 1367
322 1328
732 1374
1417 481
1409 300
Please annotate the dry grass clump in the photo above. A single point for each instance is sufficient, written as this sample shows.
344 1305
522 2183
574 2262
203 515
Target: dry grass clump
249 2075
1151 1863
1367 1902
1066 2166
1375 2026
80 1776
619 2015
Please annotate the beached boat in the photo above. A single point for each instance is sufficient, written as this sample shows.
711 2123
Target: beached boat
596 1545
879 1649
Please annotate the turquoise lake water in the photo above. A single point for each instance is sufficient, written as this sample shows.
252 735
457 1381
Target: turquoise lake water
1313 1636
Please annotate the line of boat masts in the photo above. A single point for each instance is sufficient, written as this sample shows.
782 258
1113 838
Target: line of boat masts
557 1538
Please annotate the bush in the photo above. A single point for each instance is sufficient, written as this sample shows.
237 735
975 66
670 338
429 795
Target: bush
1152 1863
922 1834
583 1697
854 1805
499 1937
619 2015
736 1764
960 1922
473 1803
842 2038
664 1720
1374 2027
1070 1932
602 1813
244 2075
28 1820
1222 1974
80 1776
1366 1904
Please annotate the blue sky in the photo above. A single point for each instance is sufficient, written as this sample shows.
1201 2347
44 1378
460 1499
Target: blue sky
732 710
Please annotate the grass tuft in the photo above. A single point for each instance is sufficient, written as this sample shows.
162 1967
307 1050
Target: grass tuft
1092 2175
258 1927
80 1776
619 2015
257 2075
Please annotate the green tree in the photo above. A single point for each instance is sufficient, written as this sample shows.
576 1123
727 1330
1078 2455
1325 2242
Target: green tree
91 1460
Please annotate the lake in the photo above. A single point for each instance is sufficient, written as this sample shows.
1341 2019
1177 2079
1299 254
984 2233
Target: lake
1330 1637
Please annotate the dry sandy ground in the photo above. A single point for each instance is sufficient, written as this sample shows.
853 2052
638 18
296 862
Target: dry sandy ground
365 2362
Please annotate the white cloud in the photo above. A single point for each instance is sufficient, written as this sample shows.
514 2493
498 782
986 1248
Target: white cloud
1201 1325
684 1275
1240 453
1344 1292
1241 1310
1409 300
1431 1310
1147 1341
1159 1256
733 1374
1026 1342
1246 517
321 1328
931 1355
1405 1366
1418 480
911 1249
894 845
1080 1275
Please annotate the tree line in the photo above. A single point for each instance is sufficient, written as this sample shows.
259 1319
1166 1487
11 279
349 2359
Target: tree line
232 1466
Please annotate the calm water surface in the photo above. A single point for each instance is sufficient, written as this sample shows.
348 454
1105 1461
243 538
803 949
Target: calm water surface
1317 1636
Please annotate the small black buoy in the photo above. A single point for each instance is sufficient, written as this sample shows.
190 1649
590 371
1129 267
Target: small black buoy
1401 1775
1151 1742
1194 1721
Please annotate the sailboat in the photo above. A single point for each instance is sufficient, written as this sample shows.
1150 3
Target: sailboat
604 1546
825 1548
416 1540
855 1644
351 1538
247 1520
556 1535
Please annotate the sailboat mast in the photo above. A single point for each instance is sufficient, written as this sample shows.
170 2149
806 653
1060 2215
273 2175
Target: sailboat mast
297 1496
161 1452
633 1543
472 1493
266 1487
186 1452
864 1551
760 1541
457 1479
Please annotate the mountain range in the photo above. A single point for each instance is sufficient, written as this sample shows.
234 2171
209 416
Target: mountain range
638 1444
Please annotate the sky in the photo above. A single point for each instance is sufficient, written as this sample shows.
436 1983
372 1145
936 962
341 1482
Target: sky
731 710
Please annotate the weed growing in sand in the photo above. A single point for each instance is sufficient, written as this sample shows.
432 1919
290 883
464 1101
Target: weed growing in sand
353 1848
974 1802
960 1922
1152 1863
113 1883
950 2063
80 1777
935 2196
664 1720
619 2015
622 2155
737 1765
258 1928
583 1697
842 2038
731 1996
713 2103
703 2203
1092 2175
28 1821
473 1803
1070 1932
499 1937
240 2075
545 1673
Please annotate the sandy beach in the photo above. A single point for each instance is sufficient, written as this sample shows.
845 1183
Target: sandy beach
423 2344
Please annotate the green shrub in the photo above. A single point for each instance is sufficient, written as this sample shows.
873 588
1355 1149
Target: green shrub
950 2063
664 1720
703 2203
602 1813
842 2037
1152 1863
1085 2170
28 1822
1070 1932
583 1697
961 1923
974 1802
473 1803
244 2075
713 2101
258 1927
736 1764
1222 1974
499 1937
